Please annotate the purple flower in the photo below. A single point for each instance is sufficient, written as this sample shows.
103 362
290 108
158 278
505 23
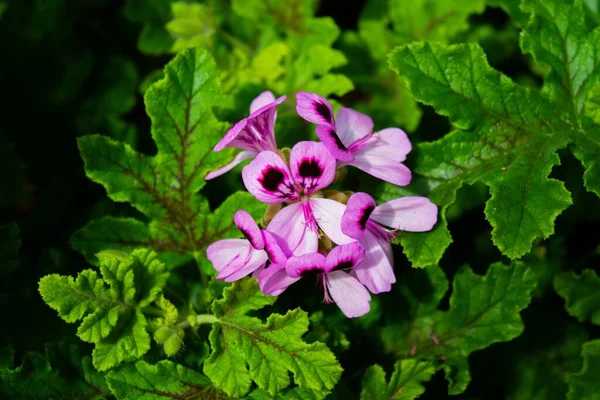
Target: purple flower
338 286
366 222
253 134
350 138
312 167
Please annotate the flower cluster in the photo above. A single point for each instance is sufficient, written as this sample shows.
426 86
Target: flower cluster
342 242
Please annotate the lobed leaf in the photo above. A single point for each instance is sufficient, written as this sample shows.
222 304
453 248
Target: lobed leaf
406 383
585 385
246 350
581 293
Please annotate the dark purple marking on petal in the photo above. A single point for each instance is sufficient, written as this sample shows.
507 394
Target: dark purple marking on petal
246 234
365 216
310 271
310 168
337 139
323 111
346 264
272 178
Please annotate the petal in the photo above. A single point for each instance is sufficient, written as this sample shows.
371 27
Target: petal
273 249
228 252
350 296
374 163
269 179
312 166
249 229
351 126
257 259
331 140
274 280
345 257
376 271
412 214
305 265
314 108
244 155
328 214
257 132
261 100
355 218
393 142
292 232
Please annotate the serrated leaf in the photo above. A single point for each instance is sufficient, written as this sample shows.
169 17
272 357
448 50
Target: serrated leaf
406 382
10 242
483 310
62 372
110 306
505 136
164 187
512 8
585 385
246 350
144 381
581 293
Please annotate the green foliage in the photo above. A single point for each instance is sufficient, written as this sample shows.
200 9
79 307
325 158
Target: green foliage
152 15
192 26
143 381
504 135
483 310
585 385
246 350
62 372
164 187
111 307
581 293
10 241
405 383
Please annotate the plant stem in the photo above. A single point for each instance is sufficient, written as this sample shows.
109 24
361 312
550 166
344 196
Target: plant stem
198 320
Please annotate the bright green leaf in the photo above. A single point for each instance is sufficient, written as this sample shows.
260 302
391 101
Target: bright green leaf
111 306
63 372
164 187
581 293
405 383
246 350
585 385
192 26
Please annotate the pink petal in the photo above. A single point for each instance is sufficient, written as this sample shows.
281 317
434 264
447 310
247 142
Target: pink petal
293 232
350 296
268 178
305 265
376 271
357 213
249 229
331 140
375 163
412 214
312 166
393 142
257 132
352 126
261 100
328 214
244 155
257 259
273 249
344 257
314 108
274 280
228 252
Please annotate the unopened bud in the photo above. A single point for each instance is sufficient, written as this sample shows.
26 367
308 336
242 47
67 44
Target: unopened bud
172 345
285 154
270 213
325 244
340 197
340 174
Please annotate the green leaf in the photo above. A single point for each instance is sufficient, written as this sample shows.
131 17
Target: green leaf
165 187
405 383
143 381
585 385
63 372
192 26
290 394
10 242
581 293
246 350
483 310
512 8
112 316
505 136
